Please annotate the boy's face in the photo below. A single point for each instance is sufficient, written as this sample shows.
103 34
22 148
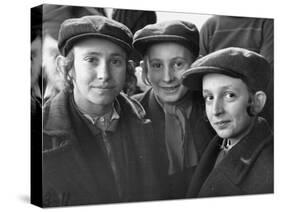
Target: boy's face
226 101
165 64
99 71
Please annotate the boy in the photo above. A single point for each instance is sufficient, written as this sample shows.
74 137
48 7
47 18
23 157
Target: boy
168 49
239 160
97 145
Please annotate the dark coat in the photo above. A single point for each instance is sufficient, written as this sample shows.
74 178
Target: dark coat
246 169
75 173
197 128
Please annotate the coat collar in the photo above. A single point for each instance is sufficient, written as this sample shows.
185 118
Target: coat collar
57 113
242 156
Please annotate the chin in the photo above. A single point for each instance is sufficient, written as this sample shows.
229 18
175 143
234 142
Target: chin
101 101
223 134
170 98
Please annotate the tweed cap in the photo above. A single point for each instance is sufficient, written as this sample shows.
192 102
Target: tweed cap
250 66
75 29
182 32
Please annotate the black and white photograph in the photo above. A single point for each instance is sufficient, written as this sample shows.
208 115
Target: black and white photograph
142 107
136 108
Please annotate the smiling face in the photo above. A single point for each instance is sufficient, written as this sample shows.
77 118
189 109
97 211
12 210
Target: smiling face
99 72
226 101
165 63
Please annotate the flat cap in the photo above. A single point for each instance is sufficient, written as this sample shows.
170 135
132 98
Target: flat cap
182 32
75 29
250 66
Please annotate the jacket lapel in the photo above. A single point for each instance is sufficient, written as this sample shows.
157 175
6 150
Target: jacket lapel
241 158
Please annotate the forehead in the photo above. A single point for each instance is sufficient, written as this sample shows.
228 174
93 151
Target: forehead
168 49
99 46
219 81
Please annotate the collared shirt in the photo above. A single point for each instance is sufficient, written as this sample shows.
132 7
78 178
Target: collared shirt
225 147
107 122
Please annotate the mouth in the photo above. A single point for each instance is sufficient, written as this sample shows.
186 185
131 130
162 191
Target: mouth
103 87
221 124
170 88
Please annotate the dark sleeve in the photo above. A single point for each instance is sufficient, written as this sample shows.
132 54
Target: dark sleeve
205 34
267 41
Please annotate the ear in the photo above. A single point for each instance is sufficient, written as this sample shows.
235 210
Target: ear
60 63
259 101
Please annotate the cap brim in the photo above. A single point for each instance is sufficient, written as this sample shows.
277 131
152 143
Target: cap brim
141 44
192 78
70 42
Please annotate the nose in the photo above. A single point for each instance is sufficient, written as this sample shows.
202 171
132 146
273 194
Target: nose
168 74
218 107
103 72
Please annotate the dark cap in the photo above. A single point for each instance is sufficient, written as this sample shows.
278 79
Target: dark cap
177 31
75 29
250 66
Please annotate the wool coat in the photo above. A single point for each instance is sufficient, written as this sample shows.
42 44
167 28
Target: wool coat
77 165
197 129
246 169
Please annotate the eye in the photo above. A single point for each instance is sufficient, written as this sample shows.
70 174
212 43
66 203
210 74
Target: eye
116 62
230 96
92 60
156 65
208 98
179 65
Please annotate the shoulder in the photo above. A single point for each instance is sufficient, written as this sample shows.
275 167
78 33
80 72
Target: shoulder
143 97
260 178
131 107
56 122
210 23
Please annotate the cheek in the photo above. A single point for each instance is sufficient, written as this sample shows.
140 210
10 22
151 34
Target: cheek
239 115
120 76
82 73
208 109
154 77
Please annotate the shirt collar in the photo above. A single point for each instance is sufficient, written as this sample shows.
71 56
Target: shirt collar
107 122
228 144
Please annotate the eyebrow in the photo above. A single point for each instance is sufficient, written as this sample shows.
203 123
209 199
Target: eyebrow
100 54
221 88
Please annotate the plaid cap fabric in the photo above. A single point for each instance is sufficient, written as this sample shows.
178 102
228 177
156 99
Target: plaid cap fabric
75 29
